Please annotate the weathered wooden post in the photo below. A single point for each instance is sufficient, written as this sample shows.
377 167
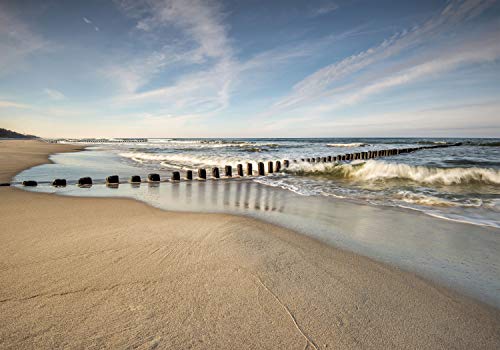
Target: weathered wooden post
189 175
348 156
30 183
308 160
215 172
239 168
59 183
176 176
286 163
313 160
249 169
202 174
260 167
278 166
334 159
85 181
153 178
112 180
329 158
323 159
270 167
135 179
318 159
228 170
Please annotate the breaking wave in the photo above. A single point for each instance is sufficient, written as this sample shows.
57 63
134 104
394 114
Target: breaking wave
379 170
354 144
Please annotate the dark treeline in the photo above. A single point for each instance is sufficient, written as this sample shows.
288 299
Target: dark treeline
9 134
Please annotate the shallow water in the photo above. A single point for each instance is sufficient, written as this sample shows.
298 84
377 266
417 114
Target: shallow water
461 256
456 183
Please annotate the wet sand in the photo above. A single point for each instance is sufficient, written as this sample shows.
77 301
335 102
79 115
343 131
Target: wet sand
115 273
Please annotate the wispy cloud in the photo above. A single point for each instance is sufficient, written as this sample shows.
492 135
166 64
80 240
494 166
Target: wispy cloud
467 120
88 21
334 77
204 44
17 41
54 94
324 8
10 104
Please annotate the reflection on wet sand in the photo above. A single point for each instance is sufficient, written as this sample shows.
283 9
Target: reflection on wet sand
403 238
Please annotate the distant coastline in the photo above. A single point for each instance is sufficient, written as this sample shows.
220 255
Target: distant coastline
9 134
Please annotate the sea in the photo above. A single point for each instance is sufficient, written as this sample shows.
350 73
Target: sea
433 211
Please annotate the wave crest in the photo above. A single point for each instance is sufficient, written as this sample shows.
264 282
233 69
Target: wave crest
353 144
373 170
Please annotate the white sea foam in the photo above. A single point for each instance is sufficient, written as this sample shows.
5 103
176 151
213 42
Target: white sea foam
354 144
374 170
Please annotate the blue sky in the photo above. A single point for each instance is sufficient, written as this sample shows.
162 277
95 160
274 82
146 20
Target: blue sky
187 68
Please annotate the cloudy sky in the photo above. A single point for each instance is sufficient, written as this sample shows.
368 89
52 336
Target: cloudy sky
189 68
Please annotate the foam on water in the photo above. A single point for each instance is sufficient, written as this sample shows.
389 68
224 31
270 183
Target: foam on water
376 170
459 182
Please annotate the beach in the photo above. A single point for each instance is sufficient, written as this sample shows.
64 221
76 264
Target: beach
117 273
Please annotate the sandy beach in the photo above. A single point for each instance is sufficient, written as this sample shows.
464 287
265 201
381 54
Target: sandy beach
116 273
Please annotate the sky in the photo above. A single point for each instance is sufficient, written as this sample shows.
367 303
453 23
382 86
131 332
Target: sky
193 68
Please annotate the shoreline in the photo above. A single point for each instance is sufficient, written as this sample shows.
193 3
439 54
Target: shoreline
290 289
469 266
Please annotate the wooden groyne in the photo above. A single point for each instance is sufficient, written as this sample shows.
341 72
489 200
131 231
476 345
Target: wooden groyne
271 166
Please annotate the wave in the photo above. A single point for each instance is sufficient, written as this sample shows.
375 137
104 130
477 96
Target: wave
432 142
428 200
188 161
353 144
373 170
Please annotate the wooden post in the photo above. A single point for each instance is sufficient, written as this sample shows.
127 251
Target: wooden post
308 160
313 160
202 174
278 166
286 163
228 170
261 169
215 172
323 159
85 181
239 168
318 159
112 180
134 179
176 176
154 178
329 158
348 157
30 183
189 175
59 183
270 167
249 169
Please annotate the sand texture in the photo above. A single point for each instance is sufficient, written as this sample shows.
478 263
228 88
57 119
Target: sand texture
114 273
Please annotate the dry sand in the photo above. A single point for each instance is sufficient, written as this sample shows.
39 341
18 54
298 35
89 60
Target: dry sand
113 273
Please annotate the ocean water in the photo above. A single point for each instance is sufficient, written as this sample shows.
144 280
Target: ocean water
433 212
456 183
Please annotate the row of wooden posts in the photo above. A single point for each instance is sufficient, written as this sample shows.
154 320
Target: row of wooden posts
272 167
